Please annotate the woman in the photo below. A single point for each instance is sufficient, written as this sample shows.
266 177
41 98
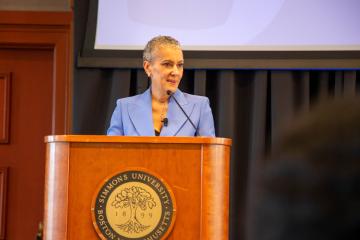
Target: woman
160 110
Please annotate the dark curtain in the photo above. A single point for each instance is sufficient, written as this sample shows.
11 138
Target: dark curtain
249 106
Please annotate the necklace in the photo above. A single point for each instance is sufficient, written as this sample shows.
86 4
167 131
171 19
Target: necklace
159 109
163 112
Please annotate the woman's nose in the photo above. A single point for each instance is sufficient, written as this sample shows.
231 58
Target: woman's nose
175 70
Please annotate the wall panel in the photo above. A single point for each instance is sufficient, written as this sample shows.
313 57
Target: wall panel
3 187
4 106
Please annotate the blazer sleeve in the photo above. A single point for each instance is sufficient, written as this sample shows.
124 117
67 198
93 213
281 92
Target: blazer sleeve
116 124
206 123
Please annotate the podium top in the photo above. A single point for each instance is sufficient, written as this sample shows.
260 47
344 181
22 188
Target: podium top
127 139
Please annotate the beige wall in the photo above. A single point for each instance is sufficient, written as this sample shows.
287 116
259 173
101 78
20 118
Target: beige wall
35 5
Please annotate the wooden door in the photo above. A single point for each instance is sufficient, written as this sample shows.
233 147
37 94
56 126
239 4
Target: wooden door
29 112
35 100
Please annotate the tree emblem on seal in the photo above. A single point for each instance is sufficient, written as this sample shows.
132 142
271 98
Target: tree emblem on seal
133 198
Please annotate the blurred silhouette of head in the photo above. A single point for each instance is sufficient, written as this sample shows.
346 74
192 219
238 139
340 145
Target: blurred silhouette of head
309 188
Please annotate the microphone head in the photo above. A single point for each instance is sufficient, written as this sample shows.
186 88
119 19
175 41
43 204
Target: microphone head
165 121
168 92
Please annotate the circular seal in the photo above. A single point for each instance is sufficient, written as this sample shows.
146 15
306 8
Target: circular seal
134 204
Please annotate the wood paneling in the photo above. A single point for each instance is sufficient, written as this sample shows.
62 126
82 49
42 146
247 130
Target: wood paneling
3 187
35 5
56 202
36 48
215 192
45 30
30 120
4 106
35 20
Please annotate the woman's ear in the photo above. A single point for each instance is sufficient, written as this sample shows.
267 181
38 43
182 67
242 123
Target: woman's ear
147 68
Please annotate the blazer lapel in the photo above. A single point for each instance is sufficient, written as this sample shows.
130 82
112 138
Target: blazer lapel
140 113
176 118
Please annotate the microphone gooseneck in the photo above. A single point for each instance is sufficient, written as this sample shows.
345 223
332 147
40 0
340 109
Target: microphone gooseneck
171 94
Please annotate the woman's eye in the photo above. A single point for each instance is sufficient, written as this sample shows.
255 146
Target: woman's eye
181 65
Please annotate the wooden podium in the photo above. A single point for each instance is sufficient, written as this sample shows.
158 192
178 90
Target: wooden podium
195 168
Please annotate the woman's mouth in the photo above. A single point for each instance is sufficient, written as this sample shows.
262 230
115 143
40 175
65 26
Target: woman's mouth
172 82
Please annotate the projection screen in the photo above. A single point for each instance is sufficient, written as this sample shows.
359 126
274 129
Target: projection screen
228 33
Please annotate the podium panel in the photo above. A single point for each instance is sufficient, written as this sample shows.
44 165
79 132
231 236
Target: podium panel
195 169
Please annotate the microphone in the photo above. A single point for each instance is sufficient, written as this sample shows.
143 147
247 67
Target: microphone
171 94
165 121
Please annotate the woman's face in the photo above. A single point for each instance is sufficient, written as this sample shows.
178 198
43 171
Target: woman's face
165 69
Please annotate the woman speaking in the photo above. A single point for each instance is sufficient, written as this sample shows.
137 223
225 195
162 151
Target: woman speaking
163 110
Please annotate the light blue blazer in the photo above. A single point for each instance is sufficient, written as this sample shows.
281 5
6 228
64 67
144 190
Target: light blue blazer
133 116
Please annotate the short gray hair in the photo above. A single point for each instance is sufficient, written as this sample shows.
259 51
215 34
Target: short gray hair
155 43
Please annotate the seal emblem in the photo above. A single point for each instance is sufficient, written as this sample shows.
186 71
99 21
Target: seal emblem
134 204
